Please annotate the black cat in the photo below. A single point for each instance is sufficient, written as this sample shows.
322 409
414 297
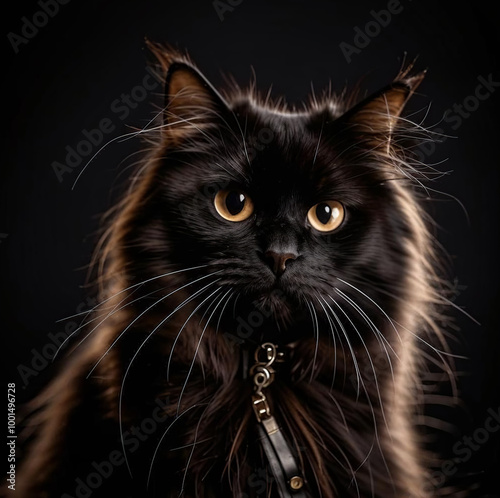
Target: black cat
251 226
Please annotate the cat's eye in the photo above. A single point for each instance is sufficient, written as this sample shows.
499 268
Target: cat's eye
326 216
233 205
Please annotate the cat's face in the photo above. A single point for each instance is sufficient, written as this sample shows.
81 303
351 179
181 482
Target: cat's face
286 209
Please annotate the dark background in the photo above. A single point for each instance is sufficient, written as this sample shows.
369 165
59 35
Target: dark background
66 78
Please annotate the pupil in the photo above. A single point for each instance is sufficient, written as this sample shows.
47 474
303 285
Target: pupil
323 213
235 201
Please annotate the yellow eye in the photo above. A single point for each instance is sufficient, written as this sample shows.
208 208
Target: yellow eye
233 205
326 216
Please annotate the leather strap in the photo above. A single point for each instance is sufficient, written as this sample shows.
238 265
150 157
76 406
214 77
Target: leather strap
281 460
279 455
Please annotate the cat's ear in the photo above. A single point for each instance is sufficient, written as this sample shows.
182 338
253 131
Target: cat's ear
191 102
376 117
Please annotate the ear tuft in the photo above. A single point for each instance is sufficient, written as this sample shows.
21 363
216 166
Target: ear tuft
379 113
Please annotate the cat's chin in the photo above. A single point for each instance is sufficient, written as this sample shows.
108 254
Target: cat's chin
283 316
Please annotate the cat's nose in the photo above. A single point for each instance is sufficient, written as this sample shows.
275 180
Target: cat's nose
277 261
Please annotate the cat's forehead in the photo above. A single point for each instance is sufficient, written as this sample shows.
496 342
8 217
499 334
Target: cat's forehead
282 121
285 141
280 138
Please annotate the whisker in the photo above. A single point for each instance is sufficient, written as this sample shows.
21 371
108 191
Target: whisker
314 319
114 310
128 288
375 377
367 319
190 121
317 145
375 422
355 363
378 335
363 462
222 311
125 136
373 302
189 445
120 399
334 346
177 417
394 322
339 408
170 356
360 382
192 450
197 349
144 312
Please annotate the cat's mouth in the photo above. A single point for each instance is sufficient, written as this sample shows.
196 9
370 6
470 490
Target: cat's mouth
270 308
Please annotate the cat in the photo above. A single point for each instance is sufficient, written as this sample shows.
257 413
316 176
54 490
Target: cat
251 225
